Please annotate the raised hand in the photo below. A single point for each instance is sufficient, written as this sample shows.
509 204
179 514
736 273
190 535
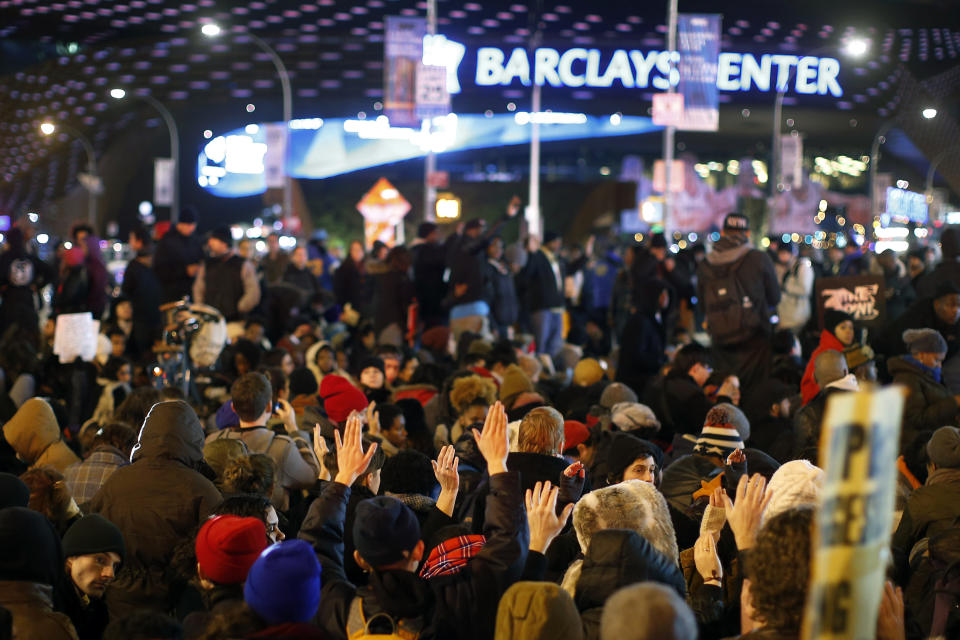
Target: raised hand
707 560
445 470
351 459
745 514
373 419
542 518
890 616
493 442
286 413
320 450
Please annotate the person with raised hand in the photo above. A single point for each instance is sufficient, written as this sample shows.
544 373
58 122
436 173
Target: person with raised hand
451 603
542 517
746 514
445 468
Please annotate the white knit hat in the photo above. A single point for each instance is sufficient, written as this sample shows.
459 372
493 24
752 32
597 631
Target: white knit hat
795 484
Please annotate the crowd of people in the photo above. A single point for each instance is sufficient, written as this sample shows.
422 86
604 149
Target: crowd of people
463 437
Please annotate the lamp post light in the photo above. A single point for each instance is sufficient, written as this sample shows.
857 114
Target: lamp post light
212 30
878 139
92 186
173 131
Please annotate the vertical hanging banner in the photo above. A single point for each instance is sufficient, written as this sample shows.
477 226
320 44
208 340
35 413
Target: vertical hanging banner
858 450
791 160
163 177
274 160
698 38
433 99
403 49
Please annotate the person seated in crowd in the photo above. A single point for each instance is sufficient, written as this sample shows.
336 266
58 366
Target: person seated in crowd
929 403
832 376
93 552
109 451
837 335
34 434
470 399
293 455
50 496
647 611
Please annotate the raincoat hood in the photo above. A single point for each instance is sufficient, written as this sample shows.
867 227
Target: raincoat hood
173 431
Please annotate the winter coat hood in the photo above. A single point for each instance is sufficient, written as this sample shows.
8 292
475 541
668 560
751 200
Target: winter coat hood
537 611
729 249
173 431
34 434
635 505
618 558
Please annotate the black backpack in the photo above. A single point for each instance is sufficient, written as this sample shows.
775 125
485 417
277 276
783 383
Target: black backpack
732 315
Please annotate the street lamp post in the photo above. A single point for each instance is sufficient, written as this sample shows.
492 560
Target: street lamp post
211 30
878 139
174 133
48 128
855 48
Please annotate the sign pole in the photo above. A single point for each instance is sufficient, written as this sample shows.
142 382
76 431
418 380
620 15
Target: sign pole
430 163
668 133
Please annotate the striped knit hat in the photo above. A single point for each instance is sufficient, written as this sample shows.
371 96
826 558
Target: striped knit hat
724 430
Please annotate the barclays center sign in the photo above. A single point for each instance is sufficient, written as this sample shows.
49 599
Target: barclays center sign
578 67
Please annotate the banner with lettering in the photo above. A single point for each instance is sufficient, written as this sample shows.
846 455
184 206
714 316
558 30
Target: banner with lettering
698 41
863 297
403 49
858 449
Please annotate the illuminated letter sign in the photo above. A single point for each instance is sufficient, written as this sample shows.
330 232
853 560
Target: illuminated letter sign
577 67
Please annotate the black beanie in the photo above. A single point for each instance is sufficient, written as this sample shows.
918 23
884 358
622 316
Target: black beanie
383 529
13 492
625 448
93 534
31 547
303 383
223 234
833 317
371 361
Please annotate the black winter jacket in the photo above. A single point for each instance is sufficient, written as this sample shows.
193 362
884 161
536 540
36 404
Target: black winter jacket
541 282
618 558
929 405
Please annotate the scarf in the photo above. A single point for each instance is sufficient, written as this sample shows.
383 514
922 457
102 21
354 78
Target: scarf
449 557
933 372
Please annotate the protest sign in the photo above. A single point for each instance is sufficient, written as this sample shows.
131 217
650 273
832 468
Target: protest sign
75 336
863 297
858 449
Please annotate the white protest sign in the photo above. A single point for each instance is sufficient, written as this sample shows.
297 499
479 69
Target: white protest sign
75 336
858 449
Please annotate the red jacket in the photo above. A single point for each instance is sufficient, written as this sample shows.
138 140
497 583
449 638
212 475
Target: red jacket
808 385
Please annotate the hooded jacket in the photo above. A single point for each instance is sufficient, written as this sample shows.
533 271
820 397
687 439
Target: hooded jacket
618 558
932 508
156 502
808 385
34 434
537 611
634 505
29 570
929 405
756 273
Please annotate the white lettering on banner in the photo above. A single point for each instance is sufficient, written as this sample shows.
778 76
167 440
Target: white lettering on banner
643 66
489 66
566 67
579 67
517 67
753 73
806 74
727 71
545 65
861 303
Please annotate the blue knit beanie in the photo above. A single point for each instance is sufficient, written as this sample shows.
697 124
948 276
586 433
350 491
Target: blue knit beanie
383 529
284 583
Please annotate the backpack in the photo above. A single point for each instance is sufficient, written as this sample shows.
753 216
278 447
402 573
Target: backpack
732 315
358 626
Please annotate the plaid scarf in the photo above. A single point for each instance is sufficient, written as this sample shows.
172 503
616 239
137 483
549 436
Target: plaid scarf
451 556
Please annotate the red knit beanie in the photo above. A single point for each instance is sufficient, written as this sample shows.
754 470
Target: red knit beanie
227 547
340 398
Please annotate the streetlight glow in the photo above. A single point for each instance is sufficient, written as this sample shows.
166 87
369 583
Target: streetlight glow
857 47
118 94
47 128
929 113
210 30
